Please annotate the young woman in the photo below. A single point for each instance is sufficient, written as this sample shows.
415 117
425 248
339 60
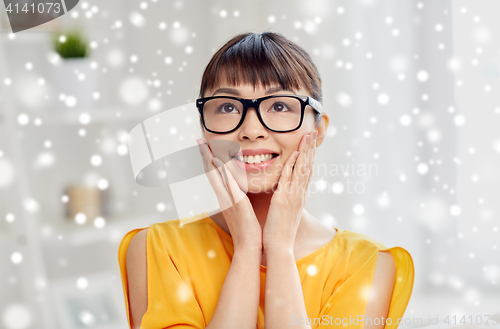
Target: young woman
264 260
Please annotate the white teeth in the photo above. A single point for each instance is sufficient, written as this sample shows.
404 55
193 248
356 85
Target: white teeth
255 158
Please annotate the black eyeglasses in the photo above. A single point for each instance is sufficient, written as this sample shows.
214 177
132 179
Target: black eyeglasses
278 113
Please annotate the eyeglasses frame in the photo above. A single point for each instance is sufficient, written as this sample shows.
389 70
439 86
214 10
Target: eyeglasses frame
255 103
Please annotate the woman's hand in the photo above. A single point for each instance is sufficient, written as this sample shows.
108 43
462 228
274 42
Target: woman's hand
288 200
244 226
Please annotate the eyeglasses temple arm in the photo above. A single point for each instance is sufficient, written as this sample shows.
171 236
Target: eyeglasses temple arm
315 104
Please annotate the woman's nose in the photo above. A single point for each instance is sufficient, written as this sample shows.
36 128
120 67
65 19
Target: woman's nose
252 127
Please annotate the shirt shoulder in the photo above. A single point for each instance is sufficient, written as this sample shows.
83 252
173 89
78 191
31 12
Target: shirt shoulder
358 248
190 234
182 262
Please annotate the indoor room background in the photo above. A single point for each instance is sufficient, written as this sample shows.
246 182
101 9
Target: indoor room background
411 157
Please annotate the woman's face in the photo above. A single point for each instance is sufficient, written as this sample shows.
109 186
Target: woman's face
253 135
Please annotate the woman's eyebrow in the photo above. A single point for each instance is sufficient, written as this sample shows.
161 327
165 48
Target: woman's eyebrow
227 91
278 88
236 93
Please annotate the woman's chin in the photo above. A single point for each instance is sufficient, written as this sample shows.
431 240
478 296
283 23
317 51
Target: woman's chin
256 186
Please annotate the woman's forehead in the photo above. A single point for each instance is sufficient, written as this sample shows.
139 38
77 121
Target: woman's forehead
248 87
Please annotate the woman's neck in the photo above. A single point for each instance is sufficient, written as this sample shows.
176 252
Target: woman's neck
260 203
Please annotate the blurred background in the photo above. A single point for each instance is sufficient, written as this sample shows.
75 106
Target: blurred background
412 156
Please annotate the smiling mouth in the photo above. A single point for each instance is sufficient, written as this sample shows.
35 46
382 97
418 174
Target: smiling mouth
255 159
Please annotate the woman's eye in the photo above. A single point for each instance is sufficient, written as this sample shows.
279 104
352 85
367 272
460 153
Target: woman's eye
279 107
228 108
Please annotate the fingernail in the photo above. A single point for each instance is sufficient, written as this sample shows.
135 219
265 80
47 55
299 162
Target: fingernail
198 141
307 138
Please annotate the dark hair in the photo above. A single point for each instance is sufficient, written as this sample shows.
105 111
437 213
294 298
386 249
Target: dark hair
263 58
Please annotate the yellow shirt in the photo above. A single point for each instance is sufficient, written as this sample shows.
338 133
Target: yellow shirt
187 265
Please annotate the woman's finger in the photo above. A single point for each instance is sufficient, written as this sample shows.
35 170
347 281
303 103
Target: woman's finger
207 157
311 155
236 190
213 174
221 178
286 173
203 158
216 174
225 173
310 151
300 169
224 177
206 154
238 174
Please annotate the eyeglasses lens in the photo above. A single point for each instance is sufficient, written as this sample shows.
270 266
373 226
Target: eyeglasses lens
278 113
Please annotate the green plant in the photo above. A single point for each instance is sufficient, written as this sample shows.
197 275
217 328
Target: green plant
71 44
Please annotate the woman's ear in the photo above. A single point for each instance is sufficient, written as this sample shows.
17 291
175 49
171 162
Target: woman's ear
323 127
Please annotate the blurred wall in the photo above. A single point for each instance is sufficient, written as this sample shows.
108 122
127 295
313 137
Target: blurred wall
388 168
